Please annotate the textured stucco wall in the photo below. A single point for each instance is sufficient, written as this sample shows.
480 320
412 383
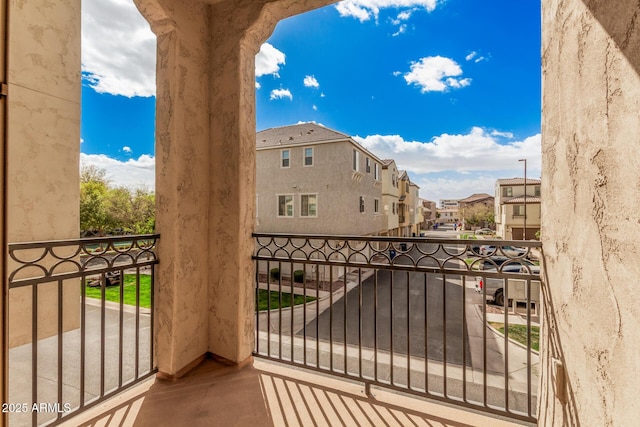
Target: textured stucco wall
43 140
590 210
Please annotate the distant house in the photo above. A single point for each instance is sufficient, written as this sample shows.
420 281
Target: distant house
408 203
510 208
428 213
472 203
390 197
314 180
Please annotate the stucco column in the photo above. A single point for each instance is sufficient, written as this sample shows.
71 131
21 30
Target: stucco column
182 188
205 173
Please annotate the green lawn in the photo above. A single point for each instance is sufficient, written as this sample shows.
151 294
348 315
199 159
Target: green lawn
519 333
112 293
275 299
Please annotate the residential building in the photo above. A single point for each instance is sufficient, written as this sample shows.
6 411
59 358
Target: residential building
511 205
473 205
314 180
447 215
390 197
429 210
409 197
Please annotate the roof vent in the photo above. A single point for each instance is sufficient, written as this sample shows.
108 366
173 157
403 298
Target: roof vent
290 138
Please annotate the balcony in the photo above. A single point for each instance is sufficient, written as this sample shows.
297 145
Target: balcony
384 324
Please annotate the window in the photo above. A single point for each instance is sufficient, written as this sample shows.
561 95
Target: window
356 159
393 208
518 210
406 187
361 203
284 158
376 171
393 180
507 191
308 156
368 162
309 205
376 206
285 205
536 191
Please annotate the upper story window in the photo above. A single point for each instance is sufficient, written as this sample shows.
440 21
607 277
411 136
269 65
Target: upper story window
507 191
376 171
406 187
308 156
284 158
536 191
393 208
361 203
376 206
518 210
368 165
309 205
393 180
356 160
285 205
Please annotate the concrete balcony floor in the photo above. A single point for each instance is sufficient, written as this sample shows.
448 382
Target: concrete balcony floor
268 393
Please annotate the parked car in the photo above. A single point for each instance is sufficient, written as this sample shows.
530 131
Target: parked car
495 287
510 251
484 231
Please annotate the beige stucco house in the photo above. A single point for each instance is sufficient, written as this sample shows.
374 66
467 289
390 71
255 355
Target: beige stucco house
408 206
510 208
314 180
390 197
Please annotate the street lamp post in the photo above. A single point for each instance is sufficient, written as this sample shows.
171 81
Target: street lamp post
524 230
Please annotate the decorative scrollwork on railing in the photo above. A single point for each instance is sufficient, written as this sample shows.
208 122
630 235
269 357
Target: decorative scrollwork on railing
415 253
38 262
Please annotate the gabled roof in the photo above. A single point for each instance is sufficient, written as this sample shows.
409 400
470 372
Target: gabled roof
520 200
476 197
517 181
305 133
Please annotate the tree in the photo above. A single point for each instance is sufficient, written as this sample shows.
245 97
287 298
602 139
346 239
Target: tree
107 209
93 190
478 213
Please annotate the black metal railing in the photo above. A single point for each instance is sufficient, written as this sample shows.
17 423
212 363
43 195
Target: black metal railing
80 323
411 314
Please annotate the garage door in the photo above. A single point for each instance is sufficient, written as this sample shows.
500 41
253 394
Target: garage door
517 233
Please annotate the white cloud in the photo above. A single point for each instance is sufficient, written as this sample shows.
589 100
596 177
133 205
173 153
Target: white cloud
502 134
268 60
476 151
436 74
126 149
401 30
364 10
471 56
133 173
281 93
118 49
322 95
258 85
315 108
397 73
455 186
482 58
311 81
81 140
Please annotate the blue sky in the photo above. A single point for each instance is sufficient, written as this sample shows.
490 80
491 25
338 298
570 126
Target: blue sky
449 89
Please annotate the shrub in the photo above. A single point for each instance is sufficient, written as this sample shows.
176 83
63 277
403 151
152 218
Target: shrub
298 276
275 273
